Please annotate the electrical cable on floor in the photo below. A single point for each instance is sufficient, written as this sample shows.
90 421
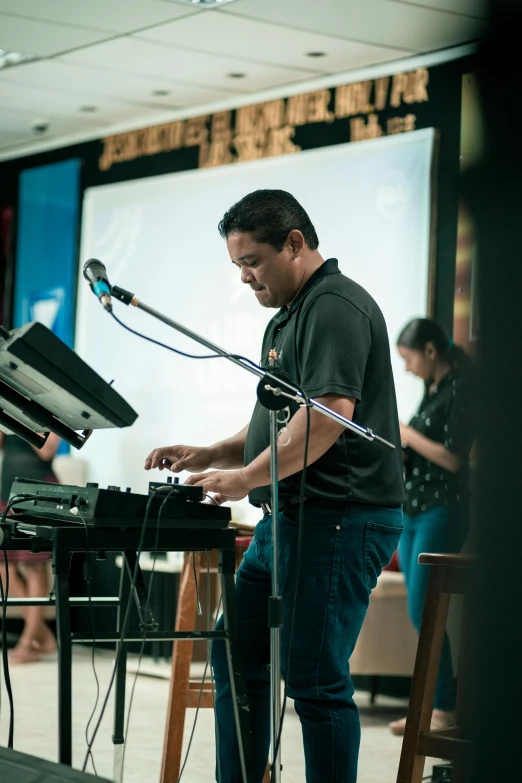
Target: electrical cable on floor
4 595
88 580
210 643
207 664
123 630
144 639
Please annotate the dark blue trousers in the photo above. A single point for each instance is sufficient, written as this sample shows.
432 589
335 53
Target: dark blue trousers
345 546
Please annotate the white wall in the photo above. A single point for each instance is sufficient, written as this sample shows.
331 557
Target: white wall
370 204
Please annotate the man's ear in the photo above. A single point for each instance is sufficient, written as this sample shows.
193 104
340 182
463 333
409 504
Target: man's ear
296 242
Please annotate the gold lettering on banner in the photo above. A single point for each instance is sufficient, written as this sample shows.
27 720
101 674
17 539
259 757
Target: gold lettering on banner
196 131
381 93
259 117
362 131
150 141
249 146
268 129
280 141
353 99
310 107
401 124
409 87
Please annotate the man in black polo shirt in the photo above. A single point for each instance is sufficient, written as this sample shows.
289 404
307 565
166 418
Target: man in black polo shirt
331 339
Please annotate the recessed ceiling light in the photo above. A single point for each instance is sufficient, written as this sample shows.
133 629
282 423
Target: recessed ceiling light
160 93
202 3
88 109
316 54
14 58
236 75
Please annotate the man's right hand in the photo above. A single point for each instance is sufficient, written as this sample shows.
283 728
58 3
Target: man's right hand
177 458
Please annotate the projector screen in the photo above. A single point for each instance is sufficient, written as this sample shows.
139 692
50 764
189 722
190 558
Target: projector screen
370 204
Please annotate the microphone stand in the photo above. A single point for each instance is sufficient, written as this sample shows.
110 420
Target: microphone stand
272 392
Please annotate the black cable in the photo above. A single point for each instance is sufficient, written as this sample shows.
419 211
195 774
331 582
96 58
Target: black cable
176 350
235 356
19 498
144 639
207 664
4 651
196 583
88 580
209 655
122 632
296 588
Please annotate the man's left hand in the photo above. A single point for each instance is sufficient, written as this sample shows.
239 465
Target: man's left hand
226 484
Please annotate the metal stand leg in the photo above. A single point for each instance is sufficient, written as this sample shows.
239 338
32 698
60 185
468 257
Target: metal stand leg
118 736
226 568
275 611
63 638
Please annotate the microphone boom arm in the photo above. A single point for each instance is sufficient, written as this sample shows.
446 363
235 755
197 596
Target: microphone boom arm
290 391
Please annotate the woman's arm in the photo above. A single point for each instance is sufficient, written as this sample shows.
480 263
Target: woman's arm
430 449
49 449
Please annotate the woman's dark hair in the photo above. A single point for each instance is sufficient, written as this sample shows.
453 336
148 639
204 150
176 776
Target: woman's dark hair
417 333
269 215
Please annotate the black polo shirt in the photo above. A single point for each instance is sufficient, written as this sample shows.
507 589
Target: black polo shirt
447 416
333 340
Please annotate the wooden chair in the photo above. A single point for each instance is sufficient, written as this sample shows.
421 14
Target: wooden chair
184 692
449 574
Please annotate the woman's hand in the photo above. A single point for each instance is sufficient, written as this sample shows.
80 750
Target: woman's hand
406 432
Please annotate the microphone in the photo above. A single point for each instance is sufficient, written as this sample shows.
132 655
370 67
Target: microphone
96 274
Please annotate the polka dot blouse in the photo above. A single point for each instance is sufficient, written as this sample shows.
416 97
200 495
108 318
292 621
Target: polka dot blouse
445 416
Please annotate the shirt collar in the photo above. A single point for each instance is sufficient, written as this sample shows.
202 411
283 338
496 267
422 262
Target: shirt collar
329 267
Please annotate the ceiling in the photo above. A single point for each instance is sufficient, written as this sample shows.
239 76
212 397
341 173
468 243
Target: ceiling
107 63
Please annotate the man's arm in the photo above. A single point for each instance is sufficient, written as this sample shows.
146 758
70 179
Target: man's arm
236 484
323 434
229 454
226 455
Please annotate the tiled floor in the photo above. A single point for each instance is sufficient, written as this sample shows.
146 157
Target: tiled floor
35 689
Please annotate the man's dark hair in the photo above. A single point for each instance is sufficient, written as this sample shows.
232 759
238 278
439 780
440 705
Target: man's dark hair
269 215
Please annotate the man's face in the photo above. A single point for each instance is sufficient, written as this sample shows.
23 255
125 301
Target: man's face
272 275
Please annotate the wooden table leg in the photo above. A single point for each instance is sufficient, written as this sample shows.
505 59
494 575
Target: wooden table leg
180 672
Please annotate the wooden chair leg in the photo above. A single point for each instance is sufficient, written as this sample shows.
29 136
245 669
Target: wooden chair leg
427 662
180 672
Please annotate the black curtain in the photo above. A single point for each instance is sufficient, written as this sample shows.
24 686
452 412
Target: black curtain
493 193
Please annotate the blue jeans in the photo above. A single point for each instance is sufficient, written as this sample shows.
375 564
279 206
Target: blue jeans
441 529
345 546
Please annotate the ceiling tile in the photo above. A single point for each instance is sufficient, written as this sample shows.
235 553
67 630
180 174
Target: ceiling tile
111 15
478 8
18 122
67 105
219 33
380 22
64 75
43 38
134 56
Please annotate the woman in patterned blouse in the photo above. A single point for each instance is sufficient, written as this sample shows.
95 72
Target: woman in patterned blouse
436 447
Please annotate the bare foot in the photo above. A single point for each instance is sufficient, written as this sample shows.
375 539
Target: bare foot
45 642
440 719
23 653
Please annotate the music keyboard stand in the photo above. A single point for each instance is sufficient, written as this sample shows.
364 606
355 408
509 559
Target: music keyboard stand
63 541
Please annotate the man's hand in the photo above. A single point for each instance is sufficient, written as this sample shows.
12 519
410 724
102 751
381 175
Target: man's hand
178 458
227 484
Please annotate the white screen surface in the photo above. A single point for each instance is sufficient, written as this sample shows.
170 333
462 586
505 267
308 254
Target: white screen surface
370 204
